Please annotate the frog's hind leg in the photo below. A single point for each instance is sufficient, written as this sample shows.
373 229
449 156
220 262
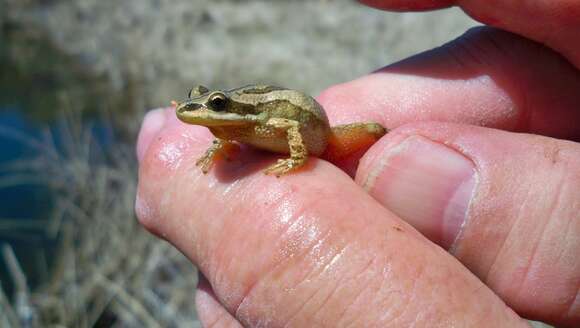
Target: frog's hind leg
220 147
298 152
349 139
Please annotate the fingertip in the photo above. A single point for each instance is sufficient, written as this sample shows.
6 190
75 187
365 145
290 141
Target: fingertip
153 121
408 5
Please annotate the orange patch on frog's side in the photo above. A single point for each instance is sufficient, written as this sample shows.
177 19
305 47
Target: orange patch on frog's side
345 143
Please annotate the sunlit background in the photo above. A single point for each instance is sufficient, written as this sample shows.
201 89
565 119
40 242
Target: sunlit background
75 80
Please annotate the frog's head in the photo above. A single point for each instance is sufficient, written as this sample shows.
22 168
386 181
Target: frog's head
208 108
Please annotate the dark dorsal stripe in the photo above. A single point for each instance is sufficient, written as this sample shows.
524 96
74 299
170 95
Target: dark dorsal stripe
261 89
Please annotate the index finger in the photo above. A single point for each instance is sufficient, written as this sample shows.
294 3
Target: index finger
487 77
553 23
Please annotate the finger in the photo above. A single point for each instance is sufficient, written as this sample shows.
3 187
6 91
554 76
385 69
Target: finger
508 206
406 5
156 119
553 23
486 77
211 312
305 249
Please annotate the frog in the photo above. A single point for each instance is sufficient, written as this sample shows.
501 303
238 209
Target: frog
275 119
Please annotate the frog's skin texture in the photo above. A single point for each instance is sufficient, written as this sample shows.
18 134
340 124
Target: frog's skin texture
275 119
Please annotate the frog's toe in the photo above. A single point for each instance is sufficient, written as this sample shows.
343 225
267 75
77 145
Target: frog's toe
204 164
282 167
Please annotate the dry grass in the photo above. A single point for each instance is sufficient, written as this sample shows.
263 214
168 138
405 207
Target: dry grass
166 47
108 269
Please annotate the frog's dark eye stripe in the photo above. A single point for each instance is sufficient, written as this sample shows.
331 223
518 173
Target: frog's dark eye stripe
260 89
218 102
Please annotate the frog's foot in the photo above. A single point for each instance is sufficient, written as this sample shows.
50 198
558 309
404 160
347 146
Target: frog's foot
219 148
298 152
284 166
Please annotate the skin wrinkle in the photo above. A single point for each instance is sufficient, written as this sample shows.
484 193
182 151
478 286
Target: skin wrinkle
544 230
493 40
341 283
461 52
569 305
303 280
220 258
328 297
341 317
251 201
567 312
412 292
282 260
554 218
394 314
221 321
385 276
252 284
298 214
375 292
304 303
542 239
521 216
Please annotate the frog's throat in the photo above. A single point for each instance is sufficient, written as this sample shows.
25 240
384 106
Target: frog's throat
210 119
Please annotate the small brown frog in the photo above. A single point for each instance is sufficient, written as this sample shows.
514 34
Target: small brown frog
274 119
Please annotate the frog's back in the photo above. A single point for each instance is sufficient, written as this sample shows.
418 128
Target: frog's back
289 104
270 98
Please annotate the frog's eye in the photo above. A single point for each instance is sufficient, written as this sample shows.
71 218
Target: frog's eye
218 102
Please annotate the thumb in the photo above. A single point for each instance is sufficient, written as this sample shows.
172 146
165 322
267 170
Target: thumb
507 205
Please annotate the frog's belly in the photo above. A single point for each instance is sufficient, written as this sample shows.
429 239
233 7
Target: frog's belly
274 140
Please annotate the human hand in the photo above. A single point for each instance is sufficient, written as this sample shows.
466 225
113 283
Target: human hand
313 248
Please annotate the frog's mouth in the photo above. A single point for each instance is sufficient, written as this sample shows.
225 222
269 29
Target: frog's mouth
200 115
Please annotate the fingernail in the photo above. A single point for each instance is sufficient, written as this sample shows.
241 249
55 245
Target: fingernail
153 121
426 183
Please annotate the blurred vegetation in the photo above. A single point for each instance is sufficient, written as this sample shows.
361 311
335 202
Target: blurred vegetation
31 60
86 262
108 271
38 78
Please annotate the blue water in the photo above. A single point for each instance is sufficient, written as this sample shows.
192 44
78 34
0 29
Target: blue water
33 77
22 202
16 200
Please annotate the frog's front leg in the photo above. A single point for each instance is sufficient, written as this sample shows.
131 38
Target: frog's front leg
219 147
298 152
